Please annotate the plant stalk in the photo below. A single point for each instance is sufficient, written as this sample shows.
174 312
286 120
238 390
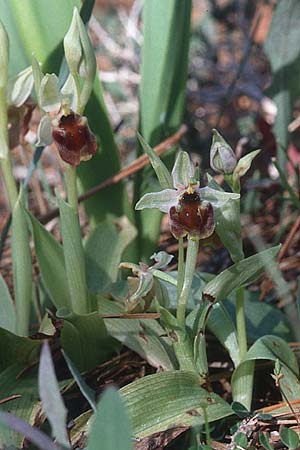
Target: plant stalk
10 182
180 277
190 265
71 186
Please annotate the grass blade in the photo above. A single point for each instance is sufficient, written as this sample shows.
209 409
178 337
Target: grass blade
164 72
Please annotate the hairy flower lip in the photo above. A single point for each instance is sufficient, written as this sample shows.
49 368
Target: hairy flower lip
73 138
191 216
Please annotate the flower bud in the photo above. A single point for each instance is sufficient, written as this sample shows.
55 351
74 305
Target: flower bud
73 138
80 58
222 157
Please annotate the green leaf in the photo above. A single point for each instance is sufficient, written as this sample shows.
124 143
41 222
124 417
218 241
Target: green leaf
178 399
146 337
74 257
264 440
110 425
113 200
52 403
51 262
14 382
16 348
284 57
22 268
85 339
7 309
271 348
103 249
241 440
88 393
164 72
181 342
30 28
162 173
240 274
289 437
221 325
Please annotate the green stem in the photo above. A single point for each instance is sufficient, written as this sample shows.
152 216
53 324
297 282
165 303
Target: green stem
241 322
71 186
10 182
191 260
180 277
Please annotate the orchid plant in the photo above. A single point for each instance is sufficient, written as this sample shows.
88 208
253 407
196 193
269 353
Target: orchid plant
198 214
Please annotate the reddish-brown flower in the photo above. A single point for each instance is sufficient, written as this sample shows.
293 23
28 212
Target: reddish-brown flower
74 139
192 216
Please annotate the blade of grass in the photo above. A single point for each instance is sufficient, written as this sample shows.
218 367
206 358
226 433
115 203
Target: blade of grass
162 93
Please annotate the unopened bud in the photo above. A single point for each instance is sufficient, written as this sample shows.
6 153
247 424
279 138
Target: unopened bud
222 157
80 58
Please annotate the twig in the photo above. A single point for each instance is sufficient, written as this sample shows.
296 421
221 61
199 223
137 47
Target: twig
289 239
127 171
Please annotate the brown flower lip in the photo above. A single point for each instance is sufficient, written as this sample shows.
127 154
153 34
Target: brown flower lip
191 216
73 138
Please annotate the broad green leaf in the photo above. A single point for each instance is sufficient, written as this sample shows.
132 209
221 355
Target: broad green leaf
264 440
221 325
52 403
88 393
241 440
16 348
289 437
50 257
74 257
112 201
180 340
110 425
271 348
284 57
85 339
13 382
240 274
146 337
103 249
7 309
164 72
30 28
22 268
242 384
164 400
162 173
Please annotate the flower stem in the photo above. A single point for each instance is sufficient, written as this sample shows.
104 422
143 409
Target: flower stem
180 277
191 260
71 186
10 182
241 322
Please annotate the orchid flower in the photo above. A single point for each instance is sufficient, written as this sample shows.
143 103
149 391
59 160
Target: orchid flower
192 210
